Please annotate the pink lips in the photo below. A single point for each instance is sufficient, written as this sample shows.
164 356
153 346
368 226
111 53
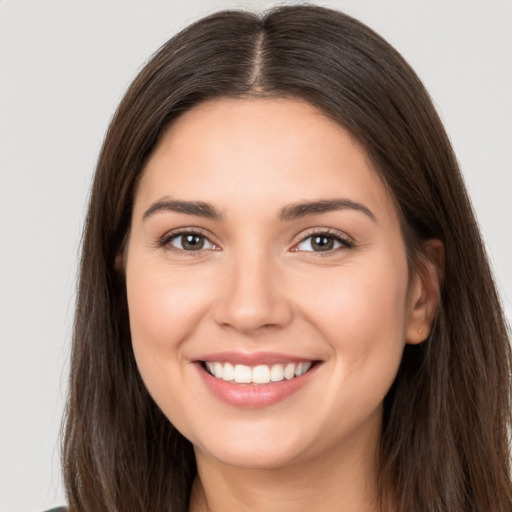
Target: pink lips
252 395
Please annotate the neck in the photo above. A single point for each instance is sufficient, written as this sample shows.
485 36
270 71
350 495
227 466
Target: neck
342 479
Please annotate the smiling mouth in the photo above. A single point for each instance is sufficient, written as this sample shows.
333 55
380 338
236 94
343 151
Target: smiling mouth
260 374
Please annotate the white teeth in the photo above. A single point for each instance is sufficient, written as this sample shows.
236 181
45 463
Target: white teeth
228 372
217 370
261 374
243 374
276 373
289 371
302 368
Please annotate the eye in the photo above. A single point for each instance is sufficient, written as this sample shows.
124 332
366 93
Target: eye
322 242
189 241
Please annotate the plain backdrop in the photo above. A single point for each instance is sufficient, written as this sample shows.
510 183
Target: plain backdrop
63 68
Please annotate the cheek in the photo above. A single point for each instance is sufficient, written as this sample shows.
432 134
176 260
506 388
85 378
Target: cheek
361 312
165 305
162 302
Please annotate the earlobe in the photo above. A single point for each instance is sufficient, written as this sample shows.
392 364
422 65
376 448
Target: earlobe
425 292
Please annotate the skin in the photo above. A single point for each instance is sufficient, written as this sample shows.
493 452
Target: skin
257 286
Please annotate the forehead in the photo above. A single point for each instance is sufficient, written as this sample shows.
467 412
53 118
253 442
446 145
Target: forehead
254 153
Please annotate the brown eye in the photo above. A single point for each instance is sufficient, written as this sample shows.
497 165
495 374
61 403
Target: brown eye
190 242
323 242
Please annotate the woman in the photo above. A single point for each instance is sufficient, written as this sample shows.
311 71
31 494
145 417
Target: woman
284 300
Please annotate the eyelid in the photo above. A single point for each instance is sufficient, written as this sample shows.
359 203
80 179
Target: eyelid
346 241
165 239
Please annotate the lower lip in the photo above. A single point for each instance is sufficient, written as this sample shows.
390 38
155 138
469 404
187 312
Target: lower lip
254 396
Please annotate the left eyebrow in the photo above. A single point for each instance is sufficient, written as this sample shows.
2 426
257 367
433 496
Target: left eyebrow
304 209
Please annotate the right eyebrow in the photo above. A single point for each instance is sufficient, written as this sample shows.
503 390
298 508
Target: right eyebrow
198 208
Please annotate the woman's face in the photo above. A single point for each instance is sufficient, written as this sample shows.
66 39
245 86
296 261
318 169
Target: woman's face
263 245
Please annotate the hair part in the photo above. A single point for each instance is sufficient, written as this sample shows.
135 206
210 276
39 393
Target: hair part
444 445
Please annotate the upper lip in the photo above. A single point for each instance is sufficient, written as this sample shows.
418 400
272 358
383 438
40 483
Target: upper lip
253 358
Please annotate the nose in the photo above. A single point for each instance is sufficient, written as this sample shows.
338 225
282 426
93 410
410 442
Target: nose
253 297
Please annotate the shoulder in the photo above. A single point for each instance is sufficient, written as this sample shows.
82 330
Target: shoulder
57 509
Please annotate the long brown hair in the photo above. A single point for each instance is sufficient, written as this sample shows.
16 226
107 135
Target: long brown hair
444 444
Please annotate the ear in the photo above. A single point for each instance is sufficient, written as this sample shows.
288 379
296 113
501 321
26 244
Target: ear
424 292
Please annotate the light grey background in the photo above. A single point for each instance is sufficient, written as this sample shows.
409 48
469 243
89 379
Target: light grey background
63 68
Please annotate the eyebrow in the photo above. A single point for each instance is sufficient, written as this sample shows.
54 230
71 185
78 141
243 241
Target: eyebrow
304 209
290 212
198 208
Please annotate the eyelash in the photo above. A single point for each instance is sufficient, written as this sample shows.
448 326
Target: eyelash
165 241
337 236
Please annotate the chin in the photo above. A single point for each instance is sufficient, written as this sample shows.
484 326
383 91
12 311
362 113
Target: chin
254 457
256 446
